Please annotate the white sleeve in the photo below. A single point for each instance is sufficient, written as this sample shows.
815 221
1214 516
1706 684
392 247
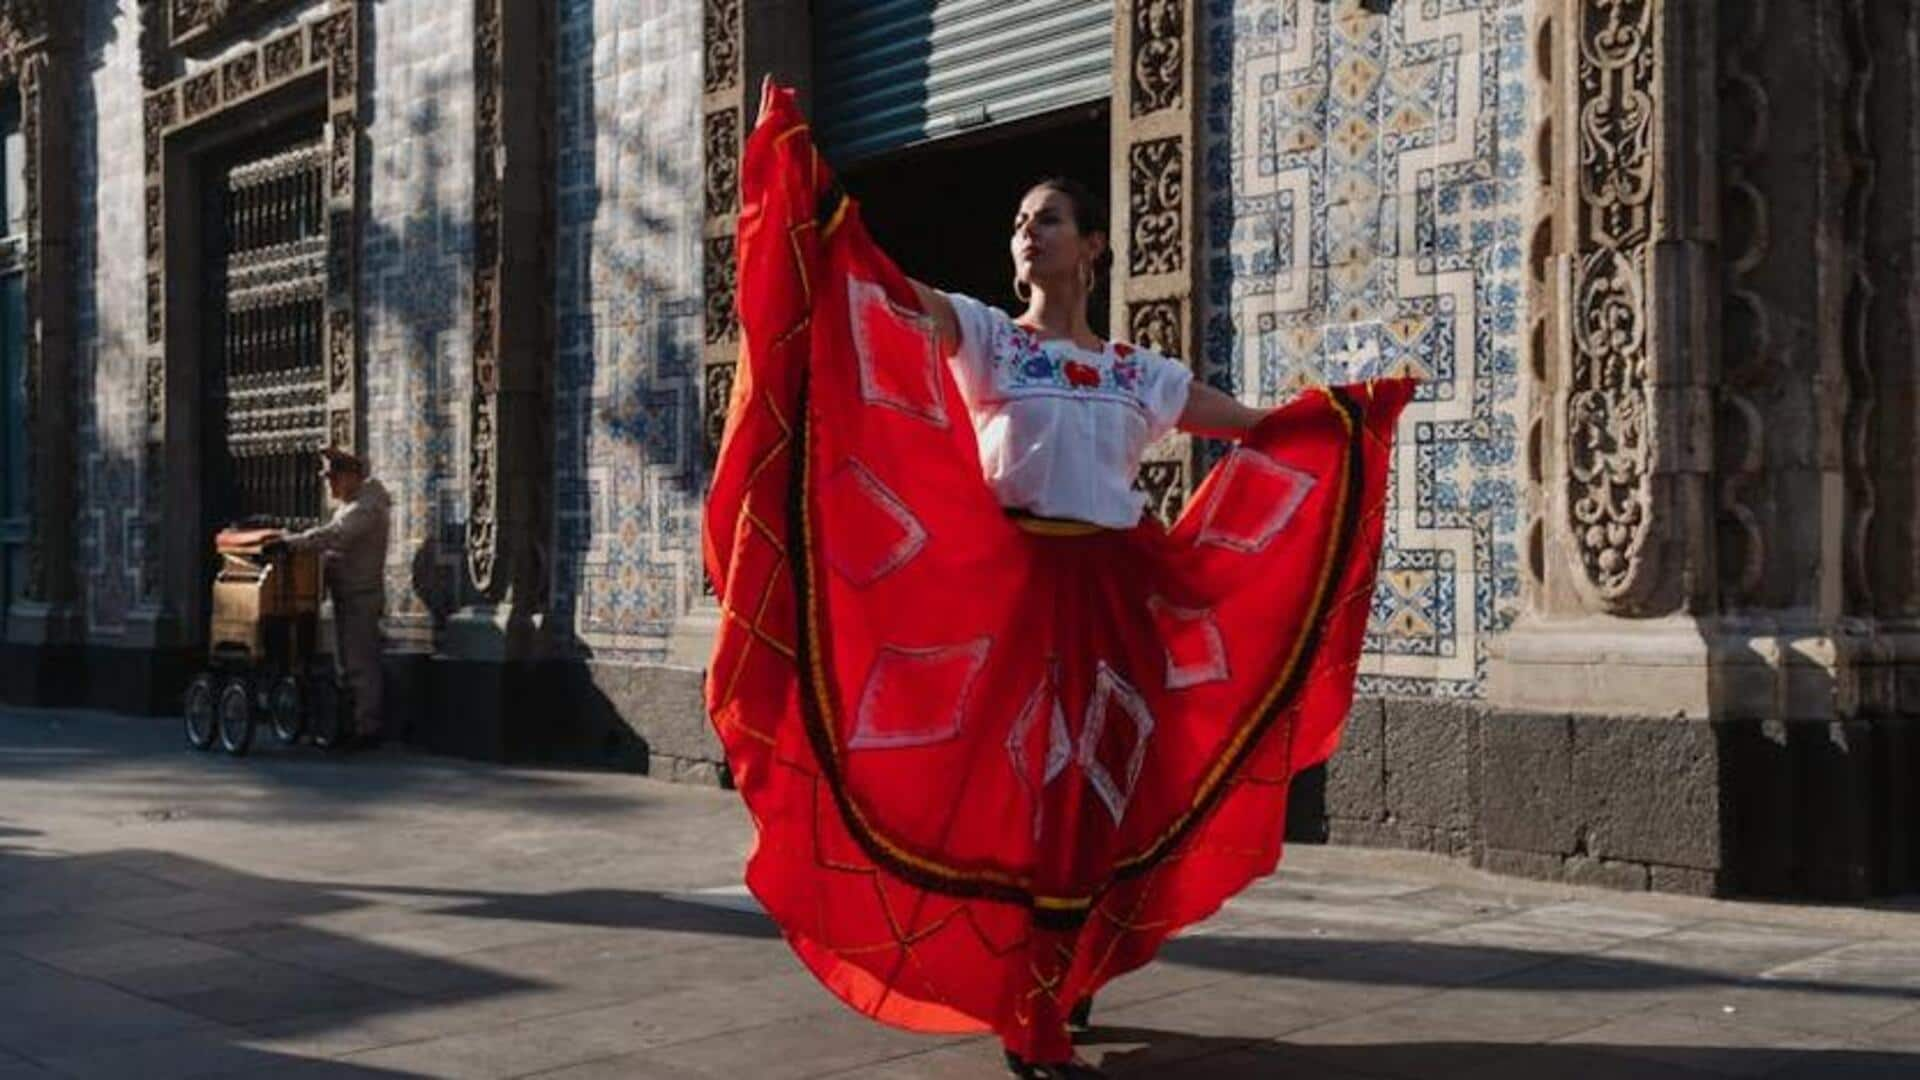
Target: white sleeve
1164 385
972 360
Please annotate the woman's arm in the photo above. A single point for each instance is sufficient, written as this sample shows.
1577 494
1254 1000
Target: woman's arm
1216 415
935 303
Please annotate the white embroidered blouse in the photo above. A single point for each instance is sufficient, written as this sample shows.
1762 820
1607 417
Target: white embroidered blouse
1061 428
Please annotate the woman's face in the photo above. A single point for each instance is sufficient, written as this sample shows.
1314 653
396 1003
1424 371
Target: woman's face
1047 243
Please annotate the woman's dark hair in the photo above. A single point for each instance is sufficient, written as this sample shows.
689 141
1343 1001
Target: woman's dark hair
1089 210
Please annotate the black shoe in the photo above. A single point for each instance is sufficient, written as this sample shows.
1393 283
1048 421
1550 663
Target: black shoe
1063 1070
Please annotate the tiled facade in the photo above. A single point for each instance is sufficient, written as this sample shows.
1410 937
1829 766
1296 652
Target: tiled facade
416 274
110 320
1366 205
627 318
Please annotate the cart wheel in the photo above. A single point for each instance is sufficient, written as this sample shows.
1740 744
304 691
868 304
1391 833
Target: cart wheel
199 709
284 708
323 712
236 716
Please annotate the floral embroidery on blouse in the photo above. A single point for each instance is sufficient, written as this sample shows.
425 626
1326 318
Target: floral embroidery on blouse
1026 363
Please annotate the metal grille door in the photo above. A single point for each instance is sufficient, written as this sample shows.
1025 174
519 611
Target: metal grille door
270 347
889 73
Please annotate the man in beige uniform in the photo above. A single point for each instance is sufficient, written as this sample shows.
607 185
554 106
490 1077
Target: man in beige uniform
354 554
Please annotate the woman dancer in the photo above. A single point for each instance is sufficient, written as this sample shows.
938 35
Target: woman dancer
1000 733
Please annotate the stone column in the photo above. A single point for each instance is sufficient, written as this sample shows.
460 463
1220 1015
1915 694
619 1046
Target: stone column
1706 682
745 41
510 406
1157 81
37 51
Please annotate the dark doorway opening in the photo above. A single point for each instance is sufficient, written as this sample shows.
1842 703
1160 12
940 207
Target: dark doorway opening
944 210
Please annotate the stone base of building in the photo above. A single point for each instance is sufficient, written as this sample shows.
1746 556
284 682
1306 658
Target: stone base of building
1669 804
644 719
147 682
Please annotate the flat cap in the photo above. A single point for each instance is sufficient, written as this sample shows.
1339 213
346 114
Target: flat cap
335 460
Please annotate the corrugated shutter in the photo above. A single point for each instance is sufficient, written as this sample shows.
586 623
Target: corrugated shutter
889 73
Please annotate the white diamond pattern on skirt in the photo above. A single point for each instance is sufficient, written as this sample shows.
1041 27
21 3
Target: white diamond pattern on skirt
876 533
1114 698
917 696
1253 501
899 355
1043 707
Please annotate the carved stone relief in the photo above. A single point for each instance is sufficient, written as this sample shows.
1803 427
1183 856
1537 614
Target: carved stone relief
723 320
1156 325
721 35
723 79
723 162
1608 414
1159 55
483 404
1155 137
1157 193
1857 348
194 21
1748 363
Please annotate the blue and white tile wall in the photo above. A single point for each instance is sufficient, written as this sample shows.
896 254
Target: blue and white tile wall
1366 209
627 311
416 295
110 324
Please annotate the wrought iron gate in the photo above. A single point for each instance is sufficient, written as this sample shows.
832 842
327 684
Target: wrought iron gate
268 336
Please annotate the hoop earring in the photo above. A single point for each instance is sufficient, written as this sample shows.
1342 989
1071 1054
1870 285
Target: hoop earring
1087 279
1022 289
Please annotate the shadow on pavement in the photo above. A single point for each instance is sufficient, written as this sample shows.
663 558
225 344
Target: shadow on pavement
1171 1055
48 745
1439 964
619 909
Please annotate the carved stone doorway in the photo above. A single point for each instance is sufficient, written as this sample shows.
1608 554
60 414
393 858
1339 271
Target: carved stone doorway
944 210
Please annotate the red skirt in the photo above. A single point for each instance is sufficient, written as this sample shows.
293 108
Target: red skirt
994 762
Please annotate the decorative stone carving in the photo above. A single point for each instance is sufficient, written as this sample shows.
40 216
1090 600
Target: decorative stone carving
716 397
1748 363
721 32
1156 325
723 162
1159 55
1608 413
1165 484
1156 187
240 76
195 21
1858 430
723 318
484 396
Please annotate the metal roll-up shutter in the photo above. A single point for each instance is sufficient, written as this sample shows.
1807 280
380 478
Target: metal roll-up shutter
890 73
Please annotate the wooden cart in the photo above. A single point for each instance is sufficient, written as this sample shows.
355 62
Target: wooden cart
263 658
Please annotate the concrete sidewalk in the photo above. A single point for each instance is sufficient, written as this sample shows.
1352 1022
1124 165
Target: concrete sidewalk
169 914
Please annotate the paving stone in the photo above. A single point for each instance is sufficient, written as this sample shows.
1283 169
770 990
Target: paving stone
169 1058
801 1047
1731 948
1693 1042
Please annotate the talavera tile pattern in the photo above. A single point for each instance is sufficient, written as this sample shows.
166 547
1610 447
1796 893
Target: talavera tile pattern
1365 206
628 307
